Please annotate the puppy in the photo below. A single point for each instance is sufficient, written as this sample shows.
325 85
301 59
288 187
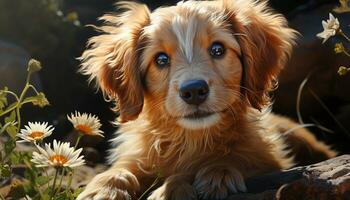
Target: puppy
192 84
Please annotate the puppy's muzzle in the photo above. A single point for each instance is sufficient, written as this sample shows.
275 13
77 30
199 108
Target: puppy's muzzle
194 92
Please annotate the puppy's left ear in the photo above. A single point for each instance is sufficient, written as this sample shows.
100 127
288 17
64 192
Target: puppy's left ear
266 43
112 59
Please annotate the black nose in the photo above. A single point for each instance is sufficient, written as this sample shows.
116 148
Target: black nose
194 91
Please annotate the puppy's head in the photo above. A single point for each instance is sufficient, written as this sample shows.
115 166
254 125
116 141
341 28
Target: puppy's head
192 64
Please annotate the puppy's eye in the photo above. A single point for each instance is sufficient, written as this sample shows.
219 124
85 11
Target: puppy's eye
162 60
217 50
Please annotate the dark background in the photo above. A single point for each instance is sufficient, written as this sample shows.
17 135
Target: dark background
54 32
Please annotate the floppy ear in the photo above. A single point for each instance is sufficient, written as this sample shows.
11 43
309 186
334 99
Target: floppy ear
266 43
112 58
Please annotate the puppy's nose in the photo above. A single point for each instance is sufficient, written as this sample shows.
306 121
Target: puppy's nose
194 92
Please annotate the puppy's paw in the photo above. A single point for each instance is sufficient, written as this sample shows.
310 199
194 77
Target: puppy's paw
111 185
218 183
183 191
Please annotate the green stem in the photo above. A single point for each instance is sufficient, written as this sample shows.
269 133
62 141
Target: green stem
11 107
12 93
149 188
329 112
15 106
72 173
27 101
77 142
21 97
1 197
8 110
18 114
34 89
344 35
54 184
69 181
346 53
48 177
60 183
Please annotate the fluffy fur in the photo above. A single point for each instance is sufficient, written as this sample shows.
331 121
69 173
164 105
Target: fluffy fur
202 158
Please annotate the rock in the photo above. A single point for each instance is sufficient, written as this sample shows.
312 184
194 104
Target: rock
326 180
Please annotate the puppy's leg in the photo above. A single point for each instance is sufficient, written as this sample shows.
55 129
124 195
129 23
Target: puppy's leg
175 187
113 184
218 181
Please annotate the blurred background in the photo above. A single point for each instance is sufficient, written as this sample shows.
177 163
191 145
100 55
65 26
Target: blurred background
55 33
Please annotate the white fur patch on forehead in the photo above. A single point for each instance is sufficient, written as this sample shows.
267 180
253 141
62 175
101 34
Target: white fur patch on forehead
185 30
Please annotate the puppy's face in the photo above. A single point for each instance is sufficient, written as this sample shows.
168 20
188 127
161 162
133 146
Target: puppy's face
191 64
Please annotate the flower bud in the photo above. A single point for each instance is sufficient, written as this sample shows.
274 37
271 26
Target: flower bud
339 48
34 65
41 100
343 70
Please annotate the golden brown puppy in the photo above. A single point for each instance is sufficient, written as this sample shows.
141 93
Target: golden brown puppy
191 81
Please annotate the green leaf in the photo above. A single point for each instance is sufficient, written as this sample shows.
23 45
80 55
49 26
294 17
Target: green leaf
5 171
12 105
45 197
30 189
9 147
62 196
3 128
11 129
15 159
42 180
77 192
31 175
11 117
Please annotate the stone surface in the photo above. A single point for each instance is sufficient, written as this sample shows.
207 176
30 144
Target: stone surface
326 180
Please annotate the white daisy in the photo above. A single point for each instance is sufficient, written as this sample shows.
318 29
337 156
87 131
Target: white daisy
35 131
62 155
331 27
86 123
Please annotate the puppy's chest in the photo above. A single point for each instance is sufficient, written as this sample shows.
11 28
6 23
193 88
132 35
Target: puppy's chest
175 156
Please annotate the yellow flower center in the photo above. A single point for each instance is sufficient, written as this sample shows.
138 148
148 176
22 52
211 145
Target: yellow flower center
83 128
58 159
36 135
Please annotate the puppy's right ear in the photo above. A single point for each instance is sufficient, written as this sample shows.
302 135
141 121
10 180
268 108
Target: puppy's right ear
266 42
112 58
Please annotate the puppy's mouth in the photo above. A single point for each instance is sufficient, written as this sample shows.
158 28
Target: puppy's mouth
198 115
199 120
